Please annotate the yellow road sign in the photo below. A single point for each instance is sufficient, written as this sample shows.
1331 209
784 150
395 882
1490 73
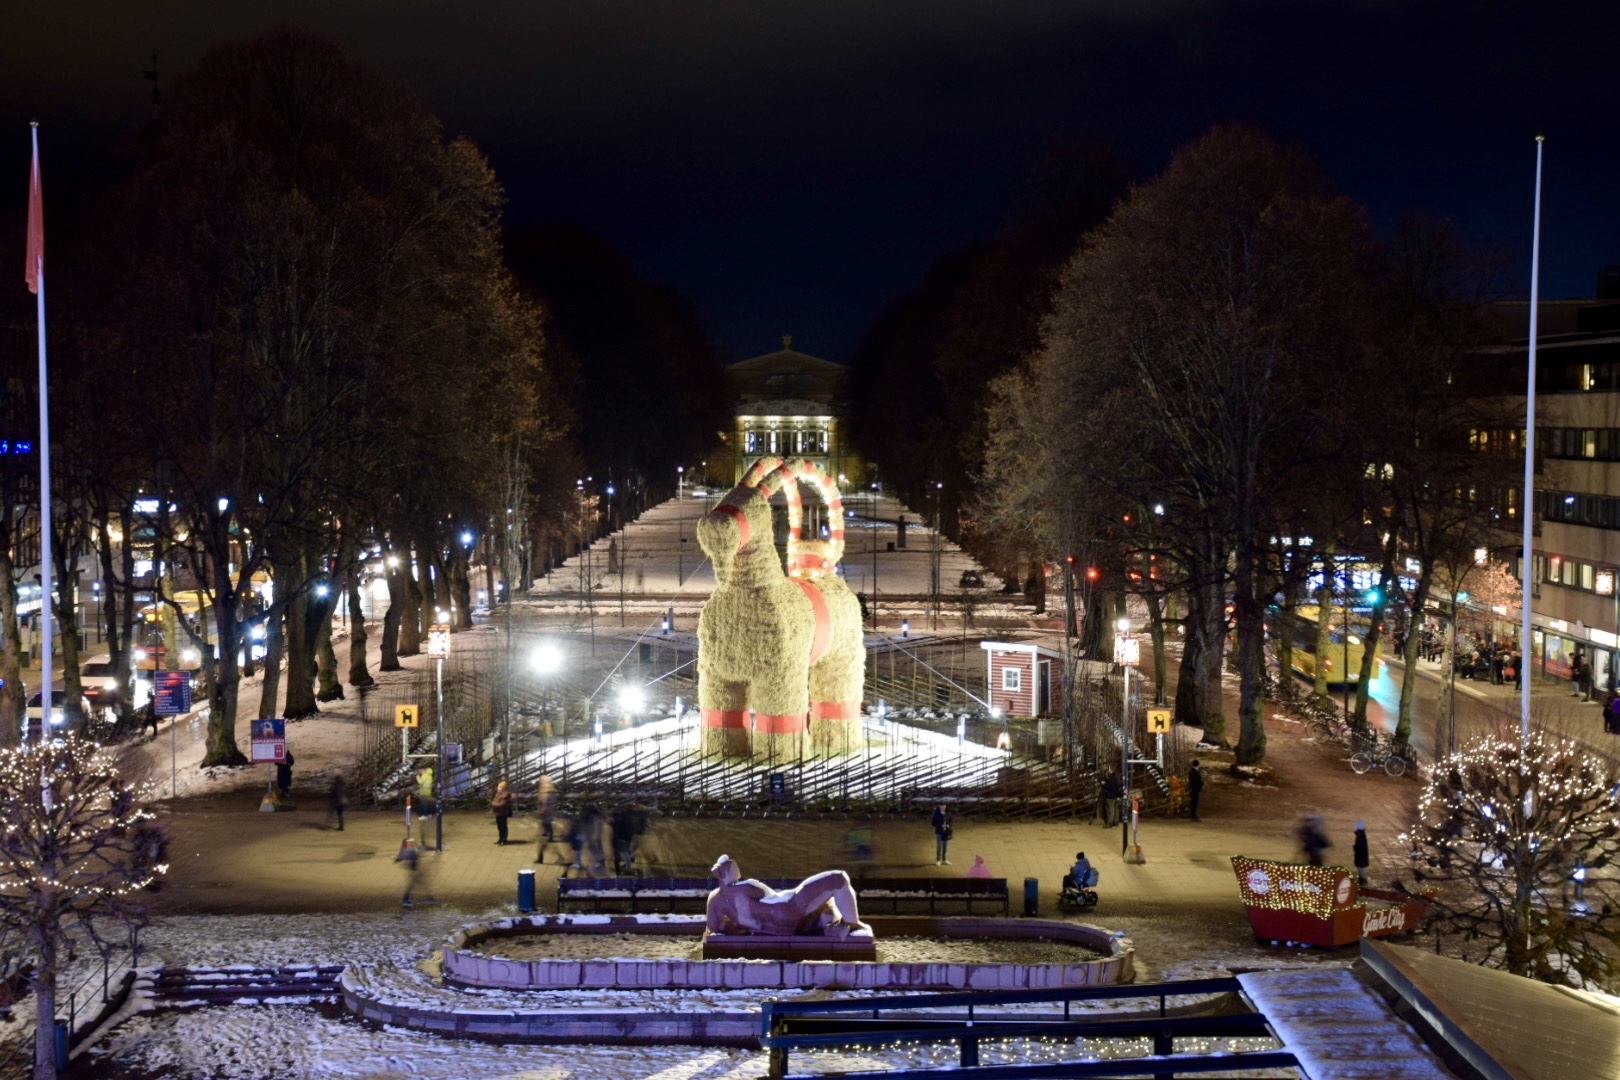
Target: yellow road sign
406 715
1158 721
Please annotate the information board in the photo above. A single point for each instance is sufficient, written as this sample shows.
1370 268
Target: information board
171 693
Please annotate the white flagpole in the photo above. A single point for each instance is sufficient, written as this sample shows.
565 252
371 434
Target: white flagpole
1528 508
45 606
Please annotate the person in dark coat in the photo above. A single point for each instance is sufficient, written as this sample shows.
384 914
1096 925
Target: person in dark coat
547 809
337 797
284 774
1362 860
501 807
1113 791
1312 839
1611 713
1195 787
942 834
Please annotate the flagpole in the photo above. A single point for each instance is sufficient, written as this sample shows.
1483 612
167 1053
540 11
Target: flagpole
1526 563
36 210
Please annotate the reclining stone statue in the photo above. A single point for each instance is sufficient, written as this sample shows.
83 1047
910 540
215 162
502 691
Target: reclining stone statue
822 905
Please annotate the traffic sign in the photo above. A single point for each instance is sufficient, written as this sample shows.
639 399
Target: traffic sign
171 694
1158 721
407 716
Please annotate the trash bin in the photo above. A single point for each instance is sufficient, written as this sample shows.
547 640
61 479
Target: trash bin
61 1044
525 890
1032 897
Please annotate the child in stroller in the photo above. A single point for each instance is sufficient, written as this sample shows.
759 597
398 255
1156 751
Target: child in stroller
1079 884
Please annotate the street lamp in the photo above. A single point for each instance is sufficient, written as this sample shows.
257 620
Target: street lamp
438 652
1127 653
547 661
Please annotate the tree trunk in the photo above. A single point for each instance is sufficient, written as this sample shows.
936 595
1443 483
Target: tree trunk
1035 586
298 640
67 625
1414 642
1199 702
111 609
222 748
461 589
394 618
12 705
46 933
328 686
489 572
1161 665
1387 584
1324 622
430 578
358 674
270 689
411 626
1251 748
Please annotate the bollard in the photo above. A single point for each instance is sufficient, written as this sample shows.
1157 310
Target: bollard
1032 893
525 890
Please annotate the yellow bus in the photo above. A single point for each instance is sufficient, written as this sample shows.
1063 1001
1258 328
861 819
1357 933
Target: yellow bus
1341 660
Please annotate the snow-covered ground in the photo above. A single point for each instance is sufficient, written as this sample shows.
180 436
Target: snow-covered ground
393 954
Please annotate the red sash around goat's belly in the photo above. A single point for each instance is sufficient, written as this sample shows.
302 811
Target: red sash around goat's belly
823 616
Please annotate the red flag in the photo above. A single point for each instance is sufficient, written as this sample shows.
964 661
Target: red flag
36 224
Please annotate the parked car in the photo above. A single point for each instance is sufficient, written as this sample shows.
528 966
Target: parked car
36 710
971 579
99 681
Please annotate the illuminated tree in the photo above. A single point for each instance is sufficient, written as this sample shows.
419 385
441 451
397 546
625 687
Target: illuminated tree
1523 850
79 847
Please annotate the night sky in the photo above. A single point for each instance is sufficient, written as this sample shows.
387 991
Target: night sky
792 167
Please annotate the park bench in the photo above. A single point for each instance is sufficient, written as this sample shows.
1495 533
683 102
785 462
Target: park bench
643 894
670 893
933 892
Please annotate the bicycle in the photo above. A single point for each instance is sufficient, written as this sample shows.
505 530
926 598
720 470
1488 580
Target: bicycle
1375 752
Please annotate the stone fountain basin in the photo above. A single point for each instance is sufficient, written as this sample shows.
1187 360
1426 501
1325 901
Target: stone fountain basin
472 958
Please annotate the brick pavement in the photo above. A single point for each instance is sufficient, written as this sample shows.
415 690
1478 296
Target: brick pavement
235 860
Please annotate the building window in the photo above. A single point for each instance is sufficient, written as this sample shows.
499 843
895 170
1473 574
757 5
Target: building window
1012 679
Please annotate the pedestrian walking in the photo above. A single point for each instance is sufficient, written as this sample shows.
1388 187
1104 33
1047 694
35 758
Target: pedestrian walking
1312 839
547 810
942 835
1362 860
1517 663
284 774
501 807
628 823
409 854
1611 713
337 797
576 840
1577 671
1113 791
590 832
978 869
1195 787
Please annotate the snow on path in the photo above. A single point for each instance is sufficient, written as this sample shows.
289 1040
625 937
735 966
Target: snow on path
1338 1028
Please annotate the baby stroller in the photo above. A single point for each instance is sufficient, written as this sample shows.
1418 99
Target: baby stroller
1083 895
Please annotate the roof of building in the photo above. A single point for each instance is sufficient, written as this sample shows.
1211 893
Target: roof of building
787 374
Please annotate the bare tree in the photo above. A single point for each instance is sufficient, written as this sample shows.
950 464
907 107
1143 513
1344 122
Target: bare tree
1523 848
78 851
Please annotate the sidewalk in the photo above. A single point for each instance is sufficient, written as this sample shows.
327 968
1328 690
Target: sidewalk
237 861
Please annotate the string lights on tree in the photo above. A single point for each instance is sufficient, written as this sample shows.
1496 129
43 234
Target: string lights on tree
78 852
1523 848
